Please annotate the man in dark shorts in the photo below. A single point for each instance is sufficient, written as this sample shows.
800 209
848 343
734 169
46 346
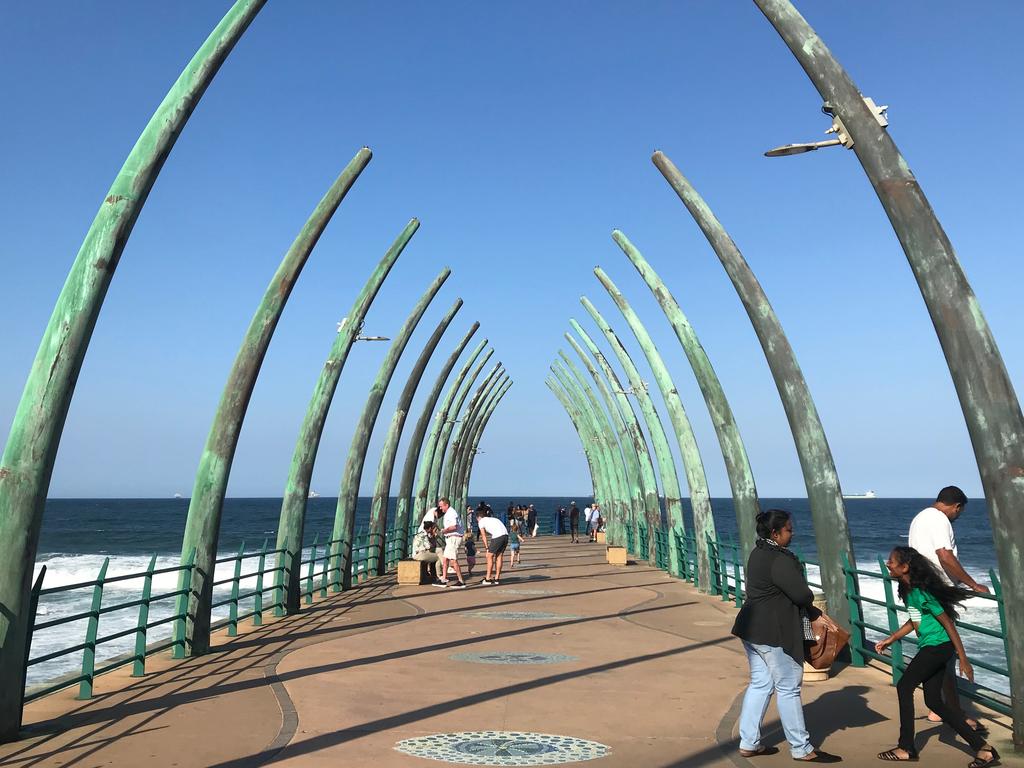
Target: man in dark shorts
495 536
574 523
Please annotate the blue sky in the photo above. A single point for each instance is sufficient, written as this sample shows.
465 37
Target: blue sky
520 134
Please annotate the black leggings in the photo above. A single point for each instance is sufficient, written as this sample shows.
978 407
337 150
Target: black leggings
928 668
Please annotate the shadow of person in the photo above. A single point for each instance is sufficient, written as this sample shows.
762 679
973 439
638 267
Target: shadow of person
840 710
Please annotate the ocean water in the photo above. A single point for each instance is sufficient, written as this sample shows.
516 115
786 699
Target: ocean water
78 534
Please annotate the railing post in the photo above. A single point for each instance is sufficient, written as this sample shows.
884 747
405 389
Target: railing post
139 662
91 631
257 613
856 630
33 606
894 623
336 550
233 605
327 565
309 573
736 573
181 609
997 590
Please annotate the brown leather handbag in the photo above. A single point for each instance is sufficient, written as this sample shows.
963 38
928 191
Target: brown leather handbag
829 640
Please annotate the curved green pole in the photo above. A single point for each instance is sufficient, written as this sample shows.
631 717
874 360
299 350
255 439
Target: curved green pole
412 455
386 467
446 427
460 431
693 465
737 465
426 461
648 481
31 449
606 447
621 515
663 453
348 494
464 489
291 525
831 531
631 460
461 445
622 454
202 526
987 397
587 442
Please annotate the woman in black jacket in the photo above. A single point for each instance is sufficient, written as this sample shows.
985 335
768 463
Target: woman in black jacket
771 628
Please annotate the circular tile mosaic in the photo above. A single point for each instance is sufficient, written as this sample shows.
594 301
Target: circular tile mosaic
518 615
502 748
513 657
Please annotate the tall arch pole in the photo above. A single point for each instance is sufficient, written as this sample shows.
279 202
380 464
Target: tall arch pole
737 464
291 524
348 494
481 426
587 442
386 466
461 445
426 461
659 440
831 531
461 431
419 432
31 449
648 480
987 397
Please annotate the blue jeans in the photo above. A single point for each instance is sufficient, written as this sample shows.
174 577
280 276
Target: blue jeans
772 670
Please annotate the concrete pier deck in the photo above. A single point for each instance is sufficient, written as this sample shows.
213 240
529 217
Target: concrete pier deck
638 667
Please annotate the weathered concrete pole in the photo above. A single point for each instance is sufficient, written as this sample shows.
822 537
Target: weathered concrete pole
631 459
202 526
419 432
828 512
385 469
737 465
348 494
426 462
987 397
648 481
692 464
31 448
587 442
291 525
474 452
460 431
606 445
441 448
463 437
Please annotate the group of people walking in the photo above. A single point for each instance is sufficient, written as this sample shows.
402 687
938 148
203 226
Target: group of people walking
774 625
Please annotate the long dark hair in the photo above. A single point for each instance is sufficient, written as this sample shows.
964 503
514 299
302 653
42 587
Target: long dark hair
923 575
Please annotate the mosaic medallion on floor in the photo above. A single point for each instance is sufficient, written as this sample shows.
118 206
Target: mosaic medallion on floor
518 615
513 657
528 592
502 748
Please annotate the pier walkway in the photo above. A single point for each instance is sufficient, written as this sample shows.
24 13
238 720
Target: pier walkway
638 667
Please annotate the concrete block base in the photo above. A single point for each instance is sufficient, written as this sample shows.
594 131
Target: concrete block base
602 538
616 555
412 572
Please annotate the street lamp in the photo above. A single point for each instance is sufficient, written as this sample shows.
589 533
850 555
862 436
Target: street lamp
843 136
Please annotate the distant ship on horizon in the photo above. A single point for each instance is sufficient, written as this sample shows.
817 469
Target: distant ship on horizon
178 496
865 495
314 495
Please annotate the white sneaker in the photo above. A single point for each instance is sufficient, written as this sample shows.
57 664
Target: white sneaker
486 583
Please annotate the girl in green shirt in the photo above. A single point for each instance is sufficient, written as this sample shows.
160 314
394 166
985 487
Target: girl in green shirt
931 603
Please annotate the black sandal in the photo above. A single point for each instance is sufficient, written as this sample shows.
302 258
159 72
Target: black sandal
980 763
979 728
890 755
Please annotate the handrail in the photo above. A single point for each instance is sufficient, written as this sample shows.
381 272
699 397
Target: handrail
317 563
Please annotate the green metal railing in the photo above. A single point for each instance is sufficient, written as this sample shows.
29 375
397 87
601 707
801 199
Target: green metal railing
260 565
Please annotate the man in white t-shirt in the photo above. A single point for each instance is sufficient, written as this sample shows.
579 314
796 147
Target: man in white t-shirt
495 541
451 527
931 534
